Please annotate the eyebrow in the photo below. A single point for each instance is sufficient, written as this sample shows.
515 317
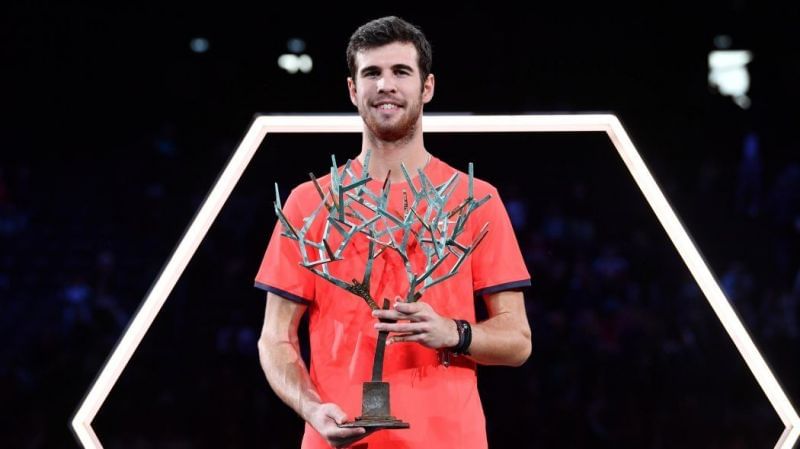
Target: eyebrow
370 68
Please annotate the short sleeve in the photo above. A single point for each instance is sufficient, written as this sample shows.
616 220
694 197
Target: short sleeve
280 271
497 262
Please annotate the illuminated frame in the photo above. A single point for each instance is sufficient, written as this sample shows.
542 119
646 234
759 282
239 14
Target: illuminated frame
263 125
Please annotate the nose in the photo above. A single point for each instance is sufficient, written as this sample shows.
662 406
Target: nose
385 85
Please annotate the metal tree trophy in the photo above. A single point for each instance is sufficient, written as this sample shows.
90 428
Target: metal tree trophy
353 209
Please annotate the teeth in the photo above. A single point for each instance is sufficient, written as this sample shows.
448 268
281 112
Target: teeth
387 106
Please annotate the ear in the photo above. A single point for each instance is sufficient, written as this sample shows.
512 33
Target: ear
427 88
351 89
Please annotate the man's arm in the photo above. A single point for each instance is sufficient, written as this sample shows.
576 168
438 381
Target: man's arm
279 352
503 339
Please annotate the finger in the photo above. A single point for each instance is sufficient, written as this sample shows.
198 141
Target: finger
389 315
403 328
408 307
407 338
341 433
345 442
394 315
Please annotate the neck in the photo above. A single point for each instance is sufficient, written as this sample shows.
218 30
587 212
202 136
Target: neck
388 156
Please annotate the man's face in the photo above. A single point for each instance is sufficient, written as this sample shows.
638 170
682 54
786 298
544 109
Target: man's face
388 91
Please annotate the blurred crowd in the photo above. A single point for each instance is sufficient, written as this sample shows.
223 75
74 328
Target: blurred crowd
627 352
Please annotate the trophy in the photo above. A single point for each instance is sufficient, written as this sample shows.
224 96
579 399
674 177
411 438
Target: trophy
352 211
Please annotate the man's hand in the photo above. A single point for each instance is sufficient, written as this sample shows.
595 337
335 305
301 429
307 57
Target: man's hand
421 324
325 418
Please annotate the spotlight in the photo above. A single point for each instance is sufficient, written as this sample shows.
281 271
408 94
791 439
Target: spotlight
199 45
727 72
294 63
296 45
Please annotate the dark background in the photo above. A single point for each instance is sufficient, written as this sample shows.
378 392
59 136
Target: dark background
115 130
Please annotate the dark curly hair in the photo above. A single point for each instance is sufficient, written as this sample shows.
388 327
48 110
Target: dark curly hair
383 31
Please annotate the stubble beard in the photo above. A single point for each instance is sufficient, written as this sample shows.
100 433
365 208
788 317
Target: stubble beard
395 133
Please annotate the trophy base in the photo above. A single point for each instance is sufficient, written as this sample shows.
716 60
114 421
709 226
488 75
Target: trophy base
376 423
375 412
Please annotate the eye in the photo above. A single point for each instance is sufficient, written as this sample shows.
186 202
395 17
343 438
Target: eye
371 74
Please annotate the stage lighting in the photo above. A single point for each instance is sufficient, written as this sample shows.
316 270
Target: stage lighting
722 41
727 72
199 45
294 63
296 45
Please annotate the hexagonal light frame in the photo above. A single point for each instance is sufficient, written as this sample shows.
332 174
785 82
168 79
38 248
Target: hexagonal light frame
264 124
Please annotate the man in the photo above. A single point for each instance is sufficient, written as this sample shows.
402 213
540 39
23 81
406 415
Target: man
390 81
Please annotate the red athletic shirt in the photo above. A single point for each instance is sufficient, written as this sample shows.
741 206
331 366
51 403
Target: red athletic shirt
440 403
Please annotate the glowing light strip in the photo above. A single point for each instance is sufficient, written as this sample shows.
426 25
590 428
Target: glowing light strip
154 300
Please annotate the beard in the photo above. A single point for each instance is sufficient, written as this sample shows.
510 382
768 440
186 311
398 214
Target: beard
400 129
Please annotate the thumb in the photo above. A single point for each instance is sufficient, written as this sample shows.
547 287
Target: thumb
337 414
